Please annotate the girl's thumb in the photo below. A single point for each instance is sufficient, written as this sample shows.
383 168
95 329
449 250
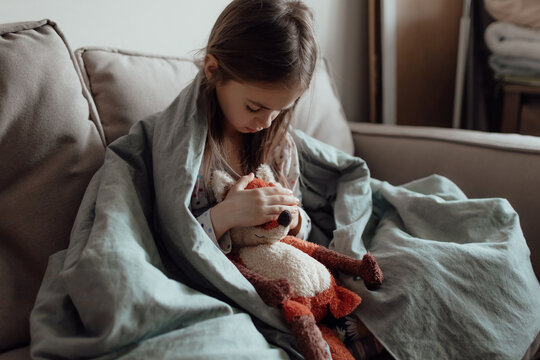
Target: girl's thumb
243 181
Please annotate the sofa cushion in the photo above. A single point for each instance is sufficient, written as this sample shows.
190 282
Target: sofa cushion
128 86
49 149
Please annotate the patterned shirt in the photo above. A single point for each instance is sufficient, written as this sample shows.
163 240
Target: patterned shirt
202 199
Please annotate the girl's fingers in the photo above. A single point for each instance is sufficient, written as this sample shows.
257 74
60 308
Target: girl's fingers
243 182
277 199
276 210
283 200
274 196
274 190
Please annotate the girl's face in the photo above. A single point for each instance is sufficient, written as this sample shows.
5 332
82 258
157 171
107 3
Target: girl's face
249 108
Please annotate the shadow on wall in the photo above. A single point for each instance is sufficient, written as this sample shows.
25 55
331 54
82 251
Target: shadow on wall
342 27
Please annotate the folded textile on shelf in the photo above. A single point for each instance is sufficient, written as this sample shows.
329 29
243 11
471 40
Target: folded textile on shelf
507 39
512 65
519 12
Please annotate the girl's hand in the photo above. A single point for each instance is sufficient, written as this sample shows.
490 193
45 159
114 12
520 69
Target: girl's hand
251 207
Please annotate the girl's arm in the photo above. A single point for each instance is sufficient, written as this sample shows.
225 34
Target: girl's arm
219 218
223 242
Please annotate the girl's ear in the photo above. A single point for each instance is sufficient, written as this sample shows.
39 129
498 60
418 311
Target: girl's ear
264 172
221 183
210 66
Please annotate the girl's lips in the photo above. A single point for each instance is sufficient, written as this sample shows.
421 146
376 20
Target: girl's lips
251 130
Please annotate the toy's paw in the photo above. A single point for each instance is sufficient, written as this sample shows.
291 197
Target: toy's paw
370 271
373 276
277 292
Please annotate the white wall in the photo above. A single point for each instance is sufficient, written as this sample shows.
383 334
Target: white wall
181 27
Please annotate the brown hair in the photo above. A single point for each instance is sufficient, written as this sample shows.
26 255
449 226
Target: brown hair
257 41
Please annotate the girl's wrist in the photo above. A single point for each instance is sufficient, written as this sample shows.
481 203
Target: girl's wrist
219 220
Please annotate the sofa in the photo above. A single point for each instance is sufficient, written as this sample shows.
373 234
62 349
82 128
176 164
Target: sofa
59 109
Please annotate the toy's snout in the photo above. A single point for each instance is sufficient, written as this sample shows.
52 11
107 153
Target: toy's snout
267 233
284 218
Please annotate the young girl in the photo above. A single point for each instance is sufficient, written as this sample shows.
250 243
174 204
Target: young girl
260 58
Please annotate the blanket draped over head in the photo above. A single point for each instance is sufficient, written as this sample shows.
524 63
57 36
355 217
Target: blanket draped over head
141 279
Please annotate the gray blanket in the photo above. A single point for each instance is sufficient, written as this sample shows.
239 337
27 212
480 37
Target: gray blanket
141 279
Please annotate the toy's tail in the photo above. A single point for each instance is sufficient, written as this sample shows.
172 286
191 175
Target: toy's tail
344 302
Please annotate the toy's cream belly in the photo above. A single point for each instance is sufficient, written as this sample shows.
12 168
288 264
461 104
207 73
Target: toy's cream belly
279 260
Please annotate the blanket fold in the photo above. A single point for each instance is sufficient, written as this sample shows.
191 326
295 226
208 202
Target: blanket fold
141 277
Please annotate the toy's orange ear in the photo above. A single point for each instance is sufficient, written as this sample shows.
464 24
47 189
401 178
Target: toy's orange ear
221 183
264 172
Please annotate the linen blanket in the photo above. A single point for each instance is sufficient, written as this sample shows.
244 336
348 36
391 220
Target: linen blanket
140 278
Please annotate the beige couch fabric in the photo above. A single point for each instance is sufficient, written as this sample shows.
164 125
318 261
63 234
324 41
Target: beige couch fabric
129 86
49 148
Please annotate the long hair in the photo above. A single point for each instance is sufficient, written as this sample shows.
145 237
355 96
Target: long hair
257 41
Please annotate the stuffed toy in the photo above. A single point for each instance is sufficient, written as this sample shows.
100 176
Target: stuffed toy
293 275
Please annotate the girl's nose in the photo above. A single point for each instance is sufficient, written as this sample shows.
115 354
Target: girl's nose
266 120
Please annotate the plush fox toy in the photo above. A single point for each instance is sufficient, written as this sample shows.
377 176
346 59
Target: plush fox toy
292 274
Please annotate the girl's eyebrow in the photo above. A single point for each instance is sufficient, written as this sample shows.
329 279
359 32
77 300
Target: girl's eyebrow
267 108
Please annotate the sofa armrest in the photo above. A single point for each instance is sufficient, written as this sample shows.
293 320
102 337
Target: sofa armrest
481 164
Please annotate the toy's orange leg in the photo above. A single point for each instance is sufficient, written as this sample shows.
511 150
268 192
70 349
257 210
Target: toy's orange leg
305 330
338 350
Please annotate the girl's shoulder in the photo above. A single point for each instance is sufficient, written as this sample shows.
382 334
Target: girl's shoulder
285 147
285 155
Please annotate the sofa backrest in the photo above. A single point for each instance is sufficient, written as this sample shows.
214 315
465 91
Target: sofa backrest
49 149
128 86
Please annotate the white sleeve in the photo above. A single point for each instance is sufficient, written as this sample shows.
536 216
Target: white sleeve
224 243
305 228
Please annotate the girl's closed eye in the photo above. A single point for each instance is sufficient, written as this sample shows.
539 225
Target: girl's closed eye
250 109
